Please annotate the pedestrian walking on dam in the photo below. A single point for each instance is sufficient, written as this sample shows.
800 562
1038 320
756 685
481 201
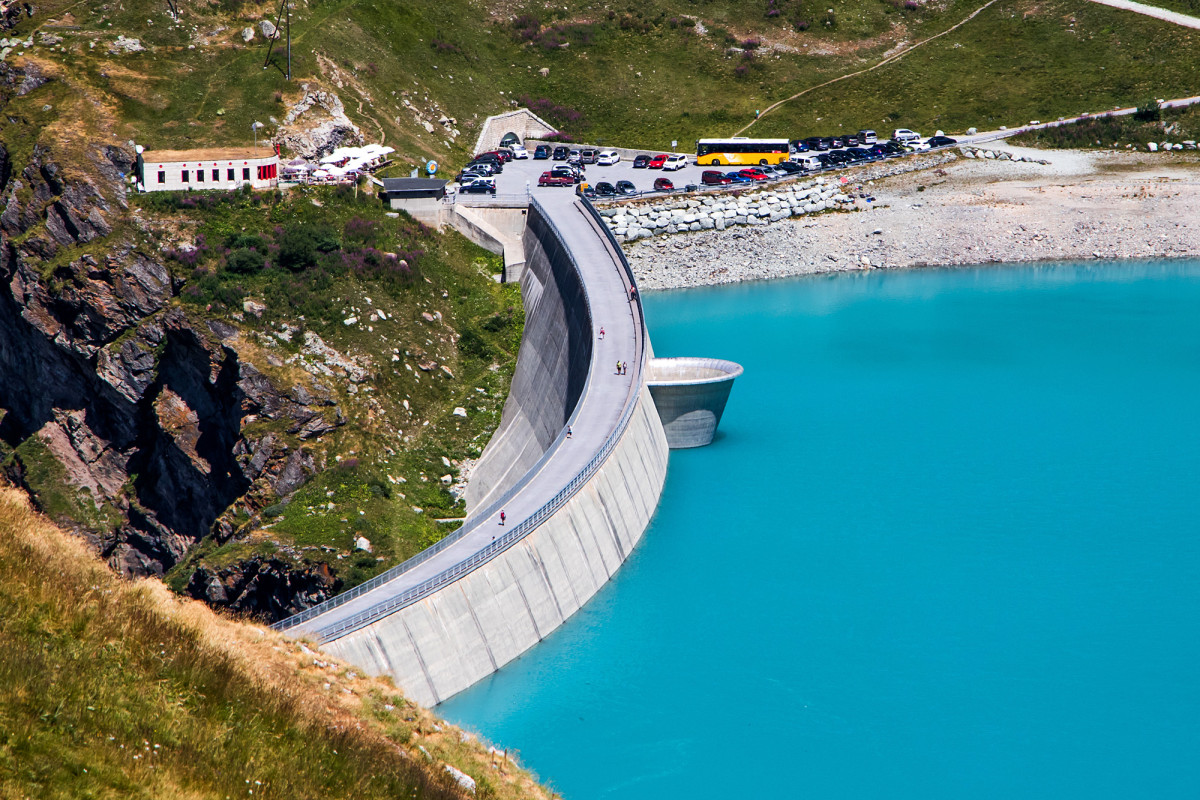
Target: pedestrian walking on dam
618 367
568 431
502 518
624 368
602 333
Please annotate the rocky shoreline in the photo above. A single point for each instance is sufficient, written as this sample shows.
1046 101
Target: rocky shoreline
954 213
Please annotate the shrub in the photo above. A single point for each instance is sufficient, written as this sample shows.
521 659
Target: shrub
1150 111
300 245
359 232
245 261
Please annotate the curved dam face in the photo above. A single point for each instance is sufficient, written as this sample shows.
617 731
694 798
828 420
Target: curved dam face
576 505
552 365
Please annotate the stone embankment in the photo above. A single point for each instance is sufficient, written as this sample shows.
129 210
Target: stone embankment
642 220
1000 155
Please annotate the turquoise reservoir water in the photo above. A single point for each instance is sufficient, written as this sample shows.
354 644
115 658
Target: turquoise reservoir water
946 546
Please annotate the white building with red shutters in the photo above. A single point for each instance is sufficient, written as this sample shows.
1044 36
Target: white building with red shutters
208 168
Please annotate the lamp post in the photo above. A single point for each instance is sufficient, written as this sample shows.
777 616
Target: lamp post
254 127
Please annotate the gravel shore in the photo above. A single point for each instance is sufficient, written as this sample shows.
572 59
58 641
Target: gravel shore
1083 205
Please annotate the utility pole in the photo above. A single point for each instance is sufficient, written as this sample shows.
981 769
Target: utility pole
289 37
284 6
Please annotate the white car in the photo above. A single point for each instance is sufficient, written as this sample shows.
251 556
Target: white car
905 136
608 157
674 162
519 152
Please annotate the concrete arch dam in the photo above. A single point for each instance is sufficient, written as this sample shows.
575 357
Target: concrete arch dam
575 506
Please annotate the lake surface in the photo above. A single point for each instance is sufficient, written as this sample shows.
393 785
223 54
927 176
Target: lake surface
946 545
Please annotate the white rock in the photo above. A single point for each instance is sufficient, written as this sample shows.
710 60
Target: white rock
459 411
247 34
1152 147
462 779
362 543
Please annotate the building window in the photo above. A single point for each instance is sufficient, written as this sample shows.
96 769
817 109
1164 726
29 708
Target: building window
230 176
162 176
216 174
199 176
245 173
185 176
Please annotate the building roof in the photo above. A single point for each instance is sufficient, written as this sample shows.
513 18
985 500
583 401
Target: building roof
207 154
413 187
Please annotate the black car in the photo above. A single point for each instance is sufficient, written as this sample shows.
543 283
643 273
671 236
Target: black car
836 142
880 150
479 187
587 191
561 153
627 187
541 152
851 140
816 143
605 189
790 167
941 141
641 162
860 154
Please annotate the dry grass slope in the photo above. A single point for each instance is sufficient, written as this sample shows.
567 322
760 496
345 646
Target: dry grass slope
117 689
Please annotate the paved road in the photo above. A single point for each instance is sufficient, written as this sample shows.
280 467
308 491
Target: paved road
1153 11
597 416
988 136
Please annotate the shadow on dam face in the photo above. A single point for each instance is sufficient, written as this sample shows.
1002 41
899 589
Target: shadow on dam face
690 395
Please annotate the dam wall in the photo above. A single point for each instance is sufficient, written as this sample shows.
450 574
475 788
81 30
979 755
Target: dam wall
552 365
439 646
577 502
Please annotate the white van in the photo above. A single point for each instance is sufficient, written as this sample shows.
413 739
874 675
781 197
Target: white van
607 158
810 163
674 162
867 137
905 136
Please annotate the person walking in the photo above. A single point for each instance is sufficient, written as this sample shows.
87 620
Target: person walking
502 517
624 368
618 368
568 431
602 333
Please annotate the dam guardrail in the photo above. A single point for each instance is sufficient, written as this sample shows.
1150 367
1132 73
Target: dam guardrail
525 526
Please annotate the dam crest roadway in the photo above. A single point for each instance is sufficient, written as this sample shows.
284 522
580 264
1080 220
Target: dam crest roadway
562 493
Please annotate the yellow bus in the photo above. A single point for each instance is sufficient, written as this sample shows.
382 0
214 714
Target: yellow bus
740 151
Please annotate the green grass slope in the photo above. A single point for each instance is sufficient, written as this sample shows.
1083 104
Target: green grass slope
111 689
636 73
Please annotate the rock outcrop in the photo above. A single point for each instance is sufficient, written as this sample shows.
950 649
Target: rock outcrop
317 125
266 588
133 406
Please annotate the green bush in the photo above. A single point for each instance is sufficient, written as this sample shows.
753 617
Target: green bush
1150 111
245 261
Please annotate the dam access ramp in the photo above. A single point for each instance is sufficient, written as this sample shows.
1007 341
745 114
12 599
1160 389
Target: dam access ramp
560 497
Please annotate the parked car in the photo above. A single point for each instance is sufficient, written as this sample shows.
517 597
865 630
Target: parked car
541 152
488 167
641 162
905 136
816 143
504 155
605 189
663 185
712 177
586 190
880 150
737 177
860 154
827 143
800 146
518 152
867 137
941 141
810 163
574 157
850 140
754 174
509 139
550 179
561 153
481 186
606 158
789 167
656 162
567 171
626 187
468 175
587 156
675 162
894 148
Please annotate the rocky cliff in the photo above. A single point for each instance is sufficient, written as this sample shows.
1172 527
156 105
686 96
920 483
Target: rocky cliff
120 413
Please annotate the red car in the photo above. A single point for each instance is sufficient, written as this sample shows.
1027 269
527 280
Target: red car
754 174
658 161
505 156
663 185
713 178
555 180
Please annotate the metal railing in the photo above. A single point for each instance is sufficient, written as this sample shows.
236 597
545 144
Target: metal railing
518 531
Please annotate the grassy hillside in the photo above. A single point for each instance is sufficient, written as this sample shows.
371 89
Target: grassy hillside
639 73
116 689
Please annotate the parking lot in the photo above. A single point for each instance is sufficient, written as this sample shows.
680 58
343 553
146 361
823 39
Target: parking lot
520 177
